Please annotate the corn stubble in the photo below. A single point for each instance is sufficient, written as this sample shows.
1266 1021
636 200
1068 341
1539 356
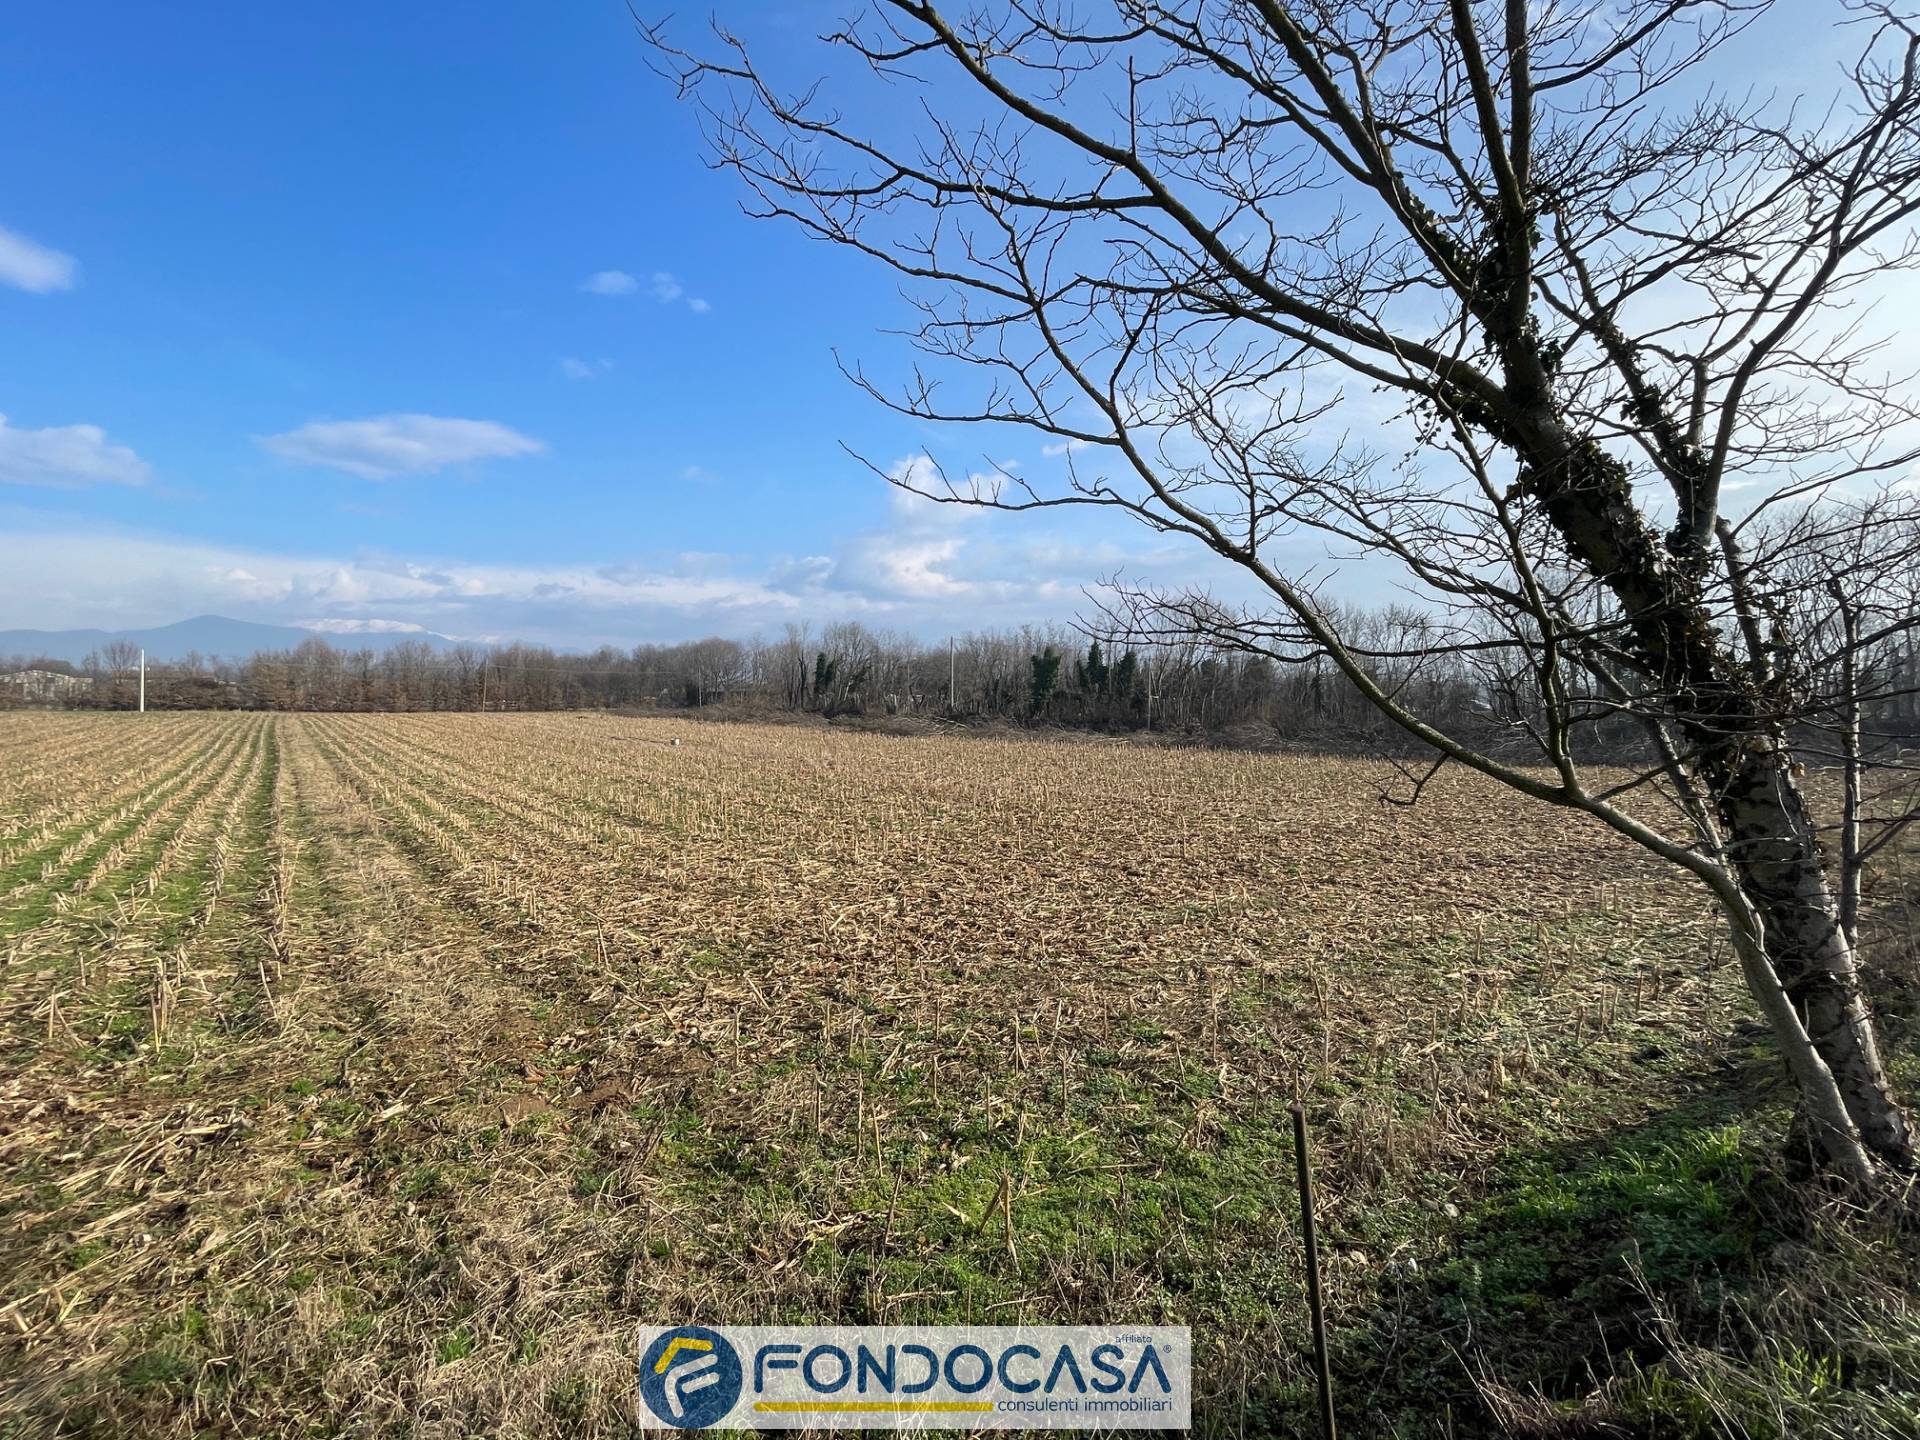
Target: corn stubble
383 1074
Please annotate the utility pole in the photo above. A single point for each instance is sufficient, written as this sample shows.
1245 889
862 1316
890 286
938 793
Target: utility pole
953 673
143 682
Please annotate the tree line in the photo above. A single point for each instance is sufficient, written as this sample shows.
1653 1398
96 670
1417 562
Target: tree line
1169 665
1050 675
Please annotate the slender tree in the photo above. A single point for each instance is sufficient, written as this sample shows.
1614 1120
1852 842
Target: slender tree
1587 286
1044 675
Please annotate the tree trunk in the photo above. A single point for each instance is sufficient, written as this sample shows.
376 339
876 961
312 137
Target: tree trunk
1821 1101
1726 711
1771 844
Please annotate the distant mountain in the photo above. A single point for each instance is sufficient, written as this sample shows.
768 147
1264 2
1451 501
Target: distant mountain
210 635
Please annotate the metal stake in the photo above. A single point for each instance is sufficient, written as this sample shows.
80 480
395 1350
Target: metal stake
1314 1306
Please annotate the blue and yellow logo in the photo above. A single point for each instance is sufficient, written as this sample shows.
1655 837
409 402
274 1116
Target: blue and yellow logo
690 1376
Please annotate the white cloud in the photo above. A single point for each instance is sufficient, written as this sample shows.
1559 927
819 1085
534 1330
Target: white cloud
575 368
27 266
662 285
912 569
610 282
362 627
917 479
66 455
383 446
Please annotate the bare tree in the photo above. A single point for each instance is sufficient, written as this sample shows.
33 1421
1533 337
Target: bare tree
1848 581
119 657
1583 290
465 661
792 661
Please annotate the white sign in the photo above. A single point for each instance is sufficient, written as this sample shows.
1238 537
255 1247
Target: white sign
930 1377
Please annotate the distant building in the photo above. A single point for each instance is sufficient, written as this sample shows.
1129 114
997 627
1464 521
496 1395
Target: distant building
42 685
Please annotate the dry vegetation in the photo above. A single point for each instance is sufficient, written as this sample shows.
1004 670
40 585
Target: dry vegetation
382 1074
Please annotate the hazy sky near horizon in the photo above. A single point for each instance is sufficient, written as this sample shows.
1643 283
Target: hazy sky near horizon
416 314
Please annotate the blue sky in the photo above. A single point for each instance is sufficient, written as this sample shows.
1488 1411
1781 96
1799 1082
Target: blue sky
376 315
303 324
